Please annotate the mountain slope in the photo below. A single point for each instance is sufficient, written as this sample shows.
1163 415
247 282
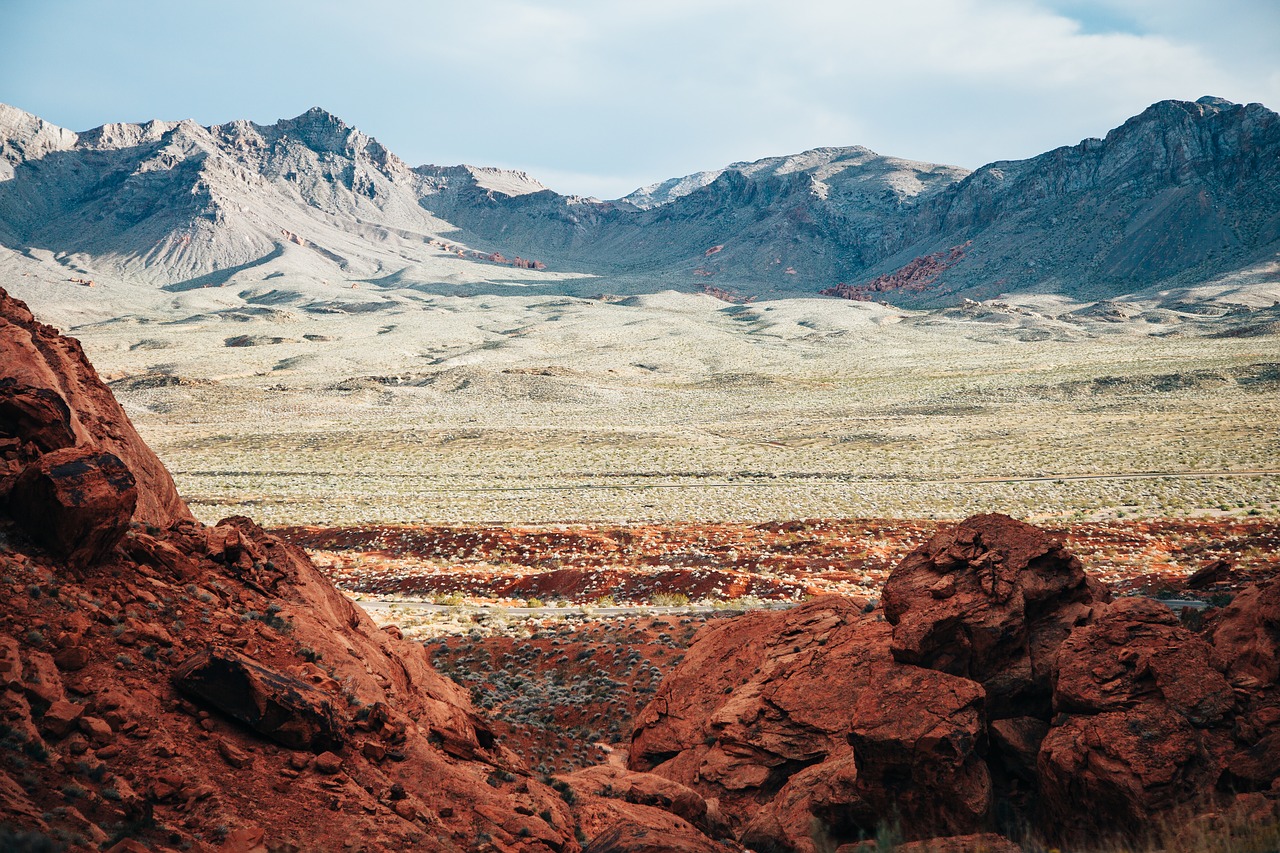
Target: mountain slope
1182 194
183 205
1176 195
1179 194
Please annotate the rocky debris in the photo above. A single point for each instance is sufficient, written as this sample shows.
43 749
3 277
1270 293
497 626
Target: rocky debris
1246 645
76 502
990 599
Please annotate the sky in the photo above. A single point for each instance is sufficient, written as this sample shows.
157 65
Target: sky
598 97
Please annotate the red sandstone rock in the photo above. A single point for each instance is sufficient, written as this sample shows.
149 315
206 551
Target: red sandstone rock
39 415
646 789
1246 636
1109 773
61 718
1246 640
36 361
990 599
917 736
1141 690
75 502
161 583
628 828
1137 652
802 726
284 709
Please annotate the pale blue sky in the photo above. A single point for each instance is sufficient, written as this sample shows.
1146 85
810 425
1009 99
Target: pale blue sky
599 97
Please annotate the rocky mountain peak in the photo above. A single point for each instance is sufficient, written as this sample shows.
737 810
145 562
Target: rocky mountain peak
325 133
1215 101
24 136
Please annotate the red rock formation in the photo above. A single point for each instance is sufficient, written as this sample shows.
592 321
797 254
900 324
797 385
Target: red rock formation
1246 643
809 728
45 379
990 599
917 276
104 746
1135 690
804 730
76 501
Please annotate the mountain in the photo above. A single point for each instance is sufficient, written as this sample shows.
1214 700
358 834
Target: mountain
1180 195
184 206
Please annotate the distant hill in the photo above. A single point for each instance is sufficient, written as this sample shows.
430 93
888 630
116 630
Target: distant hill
1182 194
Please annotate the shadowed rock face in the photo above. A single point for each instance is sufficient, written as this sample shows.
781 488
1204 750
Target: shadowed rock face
76 502
285 709
990 599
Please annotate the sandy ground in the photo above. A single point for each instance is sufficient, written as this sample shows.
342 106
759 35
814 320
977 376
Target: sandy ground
301 403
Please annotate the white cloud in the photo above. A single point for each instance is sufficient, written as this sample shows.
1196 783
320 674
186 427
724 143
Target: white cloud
602 94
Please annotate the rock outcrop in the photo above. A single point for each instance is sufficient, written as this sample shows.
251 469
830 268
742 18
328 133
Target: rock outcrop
991 599
77 502
997 689
193 687
793 723
51 398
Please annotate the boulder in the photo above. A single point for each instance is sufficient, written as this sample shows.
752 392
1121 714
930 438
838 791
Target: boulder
1135 653
1137 694
1246 636
77 502
990 599
1246 643
757 699
1110 773
639 829
919 737
801 725
645 789
285 709
38 416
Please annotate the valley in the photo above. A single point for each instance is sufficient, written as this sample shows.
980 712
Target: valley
464 515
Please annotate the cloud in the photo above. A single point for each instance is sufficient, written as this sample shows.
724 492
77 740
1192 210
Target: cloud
588 96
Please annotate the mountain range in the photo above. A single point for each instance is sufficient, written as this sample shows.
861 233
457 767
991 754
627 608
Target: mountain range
1182 195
